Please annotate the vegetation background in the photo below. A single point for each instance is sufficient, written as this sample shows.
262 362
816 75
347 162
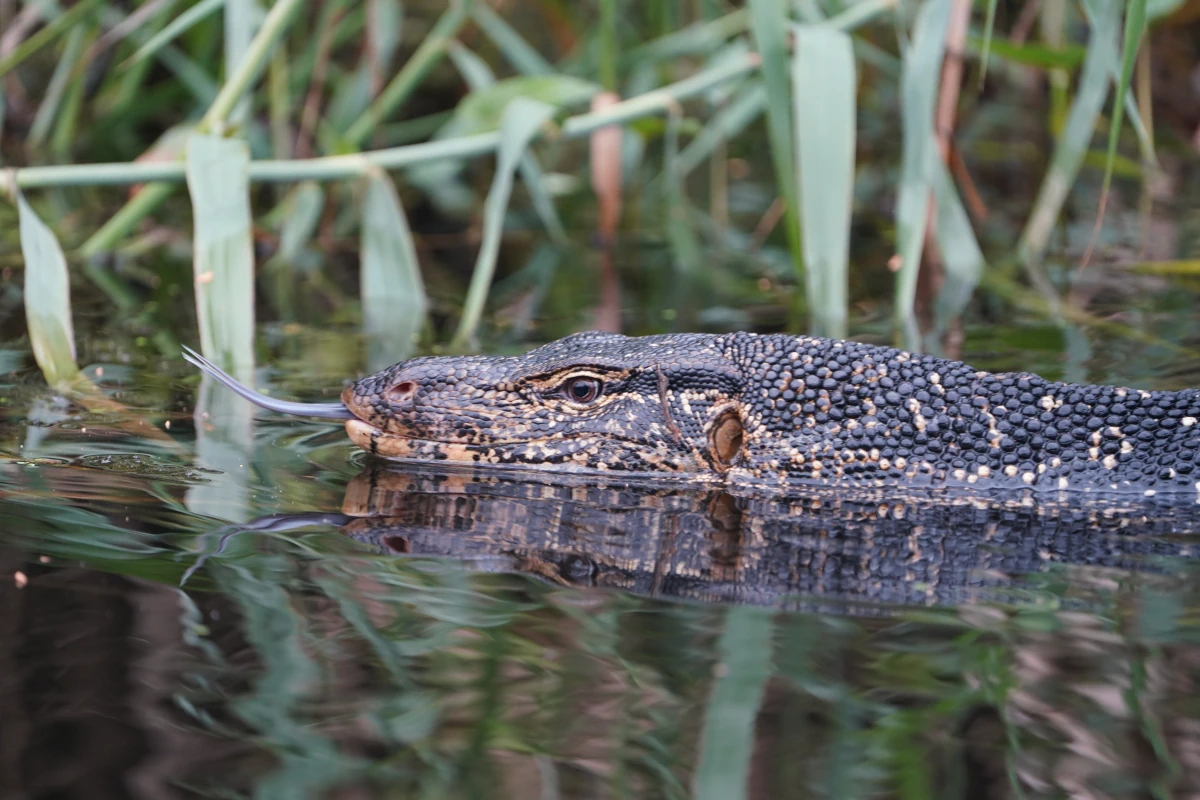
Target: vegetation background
446 174
326 185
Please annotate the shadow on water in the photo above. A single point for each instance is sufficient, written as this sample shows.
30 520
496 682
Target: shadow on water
417 633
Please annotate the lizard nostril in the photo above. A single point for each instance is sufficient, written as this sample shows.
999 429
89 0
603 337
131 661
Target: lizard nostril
402 392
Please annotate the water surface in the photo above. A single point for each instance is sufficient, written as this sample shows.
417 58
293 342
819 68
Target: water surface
201 600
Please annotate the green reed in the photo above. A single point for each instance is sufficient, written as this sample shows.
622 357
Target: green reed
325 84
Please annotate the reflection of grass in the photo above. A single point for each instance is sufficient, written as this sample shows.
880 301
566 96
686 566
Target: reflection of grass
423 679
342 85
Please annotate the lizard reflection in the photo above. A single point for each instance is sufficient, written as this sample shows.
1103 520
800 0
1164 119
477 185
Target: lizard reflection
712 545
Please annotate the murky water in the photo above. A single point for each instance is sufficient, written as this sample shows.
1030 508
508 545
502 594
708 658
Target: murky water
221 604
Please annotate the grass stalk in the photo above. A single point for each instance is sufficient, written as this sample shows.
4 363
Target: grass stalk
922 66
522 119
250 66
608 44
860 14
524 58
348 166
46 35
1072 145
279 105
696 38
769 24
133 212
432 50
238 21
49 108
248 70
989 27
172 30
1135 27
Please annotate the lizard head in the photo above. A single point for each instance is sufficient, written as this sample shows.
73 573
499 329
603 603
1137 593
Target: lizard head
591 400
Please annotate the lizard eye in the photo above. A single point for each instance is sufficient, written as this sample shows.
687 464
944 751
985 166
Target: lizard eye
581 390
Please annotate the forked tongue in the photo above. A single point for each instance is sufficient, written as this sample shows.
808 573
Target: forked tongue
324 410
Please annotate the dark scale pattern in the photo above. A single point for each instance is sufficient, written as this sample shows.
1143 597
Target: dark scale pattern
811 411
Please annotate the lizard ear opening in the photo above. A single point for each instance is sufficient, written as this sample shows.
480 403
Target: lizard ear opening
398 544
726 439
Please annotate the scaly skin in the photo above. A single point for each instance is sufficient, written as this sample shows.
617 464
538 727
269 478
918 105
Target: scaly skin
781 410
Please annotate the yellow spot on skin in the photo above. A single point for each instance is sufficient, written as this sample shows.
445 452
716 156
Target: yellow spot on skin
1063 482
1028 477
1126 446
1188 422
985 471
1011 470
1047 402
960 474
1110 462
1150 493
934 378
1056 462
1093 453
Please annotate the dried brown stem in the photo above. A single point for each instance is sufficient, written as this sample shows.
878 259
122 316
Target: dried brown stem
316 86
606 183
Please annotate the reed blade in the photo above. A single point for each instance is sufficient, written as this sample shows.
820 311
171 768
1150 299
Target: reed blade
47 297
824 77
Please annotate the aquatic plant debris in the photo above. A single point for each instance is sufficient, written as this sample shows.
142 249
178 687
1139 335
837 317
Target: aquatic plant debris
323 410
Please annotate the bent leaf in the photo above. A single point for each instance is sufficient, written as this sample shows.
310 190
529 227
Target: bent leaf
47 298
823 85
223 260
393 294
